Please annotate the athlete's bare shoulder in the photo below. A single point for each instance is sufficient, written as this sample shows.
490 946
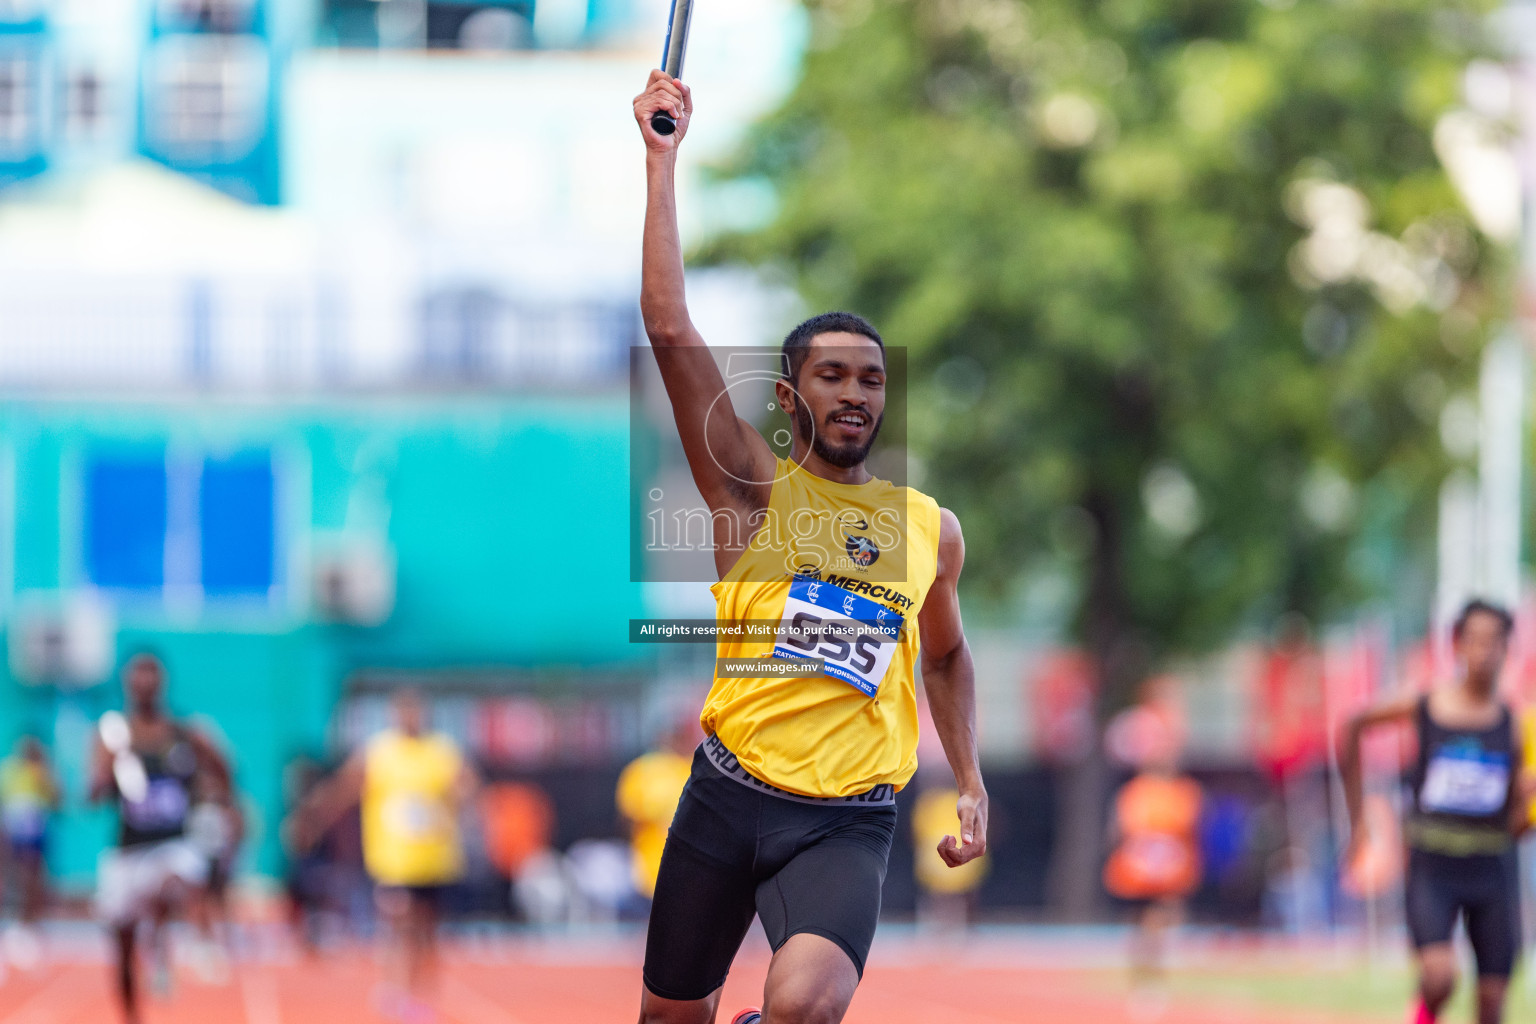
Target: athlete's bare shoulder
951 545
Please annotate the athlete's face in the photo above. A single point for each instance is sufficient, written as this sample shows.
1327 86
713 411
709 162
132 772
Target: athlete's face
1481 646
145 684
838 400
410 714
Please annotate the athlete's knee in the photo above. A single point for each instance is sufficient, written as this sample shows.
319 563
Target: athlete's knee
801 1002
1437 980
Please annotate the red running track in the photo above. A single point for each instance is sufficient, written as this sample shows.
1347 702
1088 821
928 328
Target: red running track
565 981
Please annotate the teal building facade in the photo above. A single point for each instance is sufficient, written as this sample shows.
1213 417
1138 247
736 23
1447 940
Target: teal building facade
209 532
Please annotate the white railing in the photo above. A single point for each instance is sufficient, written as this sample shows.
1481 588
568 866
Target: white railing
157 334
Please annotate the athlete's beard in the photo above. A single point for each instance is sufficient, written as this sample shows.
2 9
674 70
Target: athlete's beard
842 456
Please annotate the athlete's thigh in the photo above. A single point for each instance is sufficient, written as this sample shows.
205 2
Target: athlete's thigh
832 887
699 916
704 899
1432 900
1493 920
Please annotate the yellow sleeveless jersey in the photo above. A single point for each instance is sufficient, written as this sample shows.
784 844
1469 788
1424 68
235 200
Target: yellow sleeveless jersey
1528 760
863 555
410 816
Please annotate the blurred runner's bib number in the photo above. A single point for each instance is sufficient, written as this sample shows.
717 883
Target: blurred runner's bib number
414 817
856 638
1466 782
1163 861
164 805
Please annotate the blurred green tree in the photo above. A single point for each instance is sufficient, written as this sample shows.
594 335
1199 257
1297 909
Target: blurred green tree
1184 287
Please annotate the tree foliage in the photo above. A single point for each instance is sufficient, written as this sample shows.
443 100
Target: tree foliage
1183 284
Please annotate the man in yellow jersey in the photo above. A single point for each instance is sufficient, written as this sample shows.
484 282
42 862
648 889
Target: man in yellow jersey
789 811
412 786
647 794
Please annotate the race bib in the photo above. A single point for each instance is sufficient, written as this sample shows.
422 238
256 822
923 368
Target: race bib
414 817
1466 782
856 638
164 806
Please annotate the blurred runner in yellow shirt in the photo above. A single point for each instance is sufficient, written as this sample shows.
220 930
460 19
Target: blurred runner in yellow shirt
648 791
412 786
947 891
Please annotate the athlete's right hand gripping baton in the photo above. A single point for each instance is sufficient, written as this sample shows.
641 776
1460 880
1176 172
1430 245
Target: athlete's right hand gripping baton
672 58
127 769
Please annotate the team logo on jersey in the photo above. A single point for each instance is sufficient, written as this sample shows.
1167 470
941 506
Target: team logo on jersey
862 550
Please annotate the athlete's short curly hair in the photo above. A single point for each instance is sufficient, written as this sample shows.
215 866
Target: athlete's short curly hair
797 344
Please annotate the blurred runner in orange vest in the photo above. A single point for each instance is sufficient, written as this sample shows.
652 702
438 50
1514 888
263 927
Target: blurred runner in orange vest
1156 860
519 822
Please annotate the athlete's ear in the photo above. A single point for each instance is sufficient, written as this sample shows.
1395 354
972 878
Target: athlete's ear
785 392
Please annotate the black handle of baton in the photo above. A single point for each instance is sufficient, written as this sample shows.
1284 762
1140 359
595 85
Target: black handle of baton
662 123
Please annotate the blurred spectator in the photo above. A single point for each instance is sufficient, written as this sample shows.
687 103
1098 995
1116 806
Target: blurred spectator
648 791
1295 898
946 891
519 821
29 794
1223 836
543 889
602 874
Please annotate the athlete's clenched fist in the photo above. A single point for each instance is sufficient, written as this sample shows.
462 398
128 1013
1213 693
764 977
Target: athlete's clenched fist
972 810
663 92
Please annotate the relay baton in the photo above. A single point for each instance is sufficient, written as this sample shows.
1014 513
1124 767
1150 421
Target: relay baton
672 58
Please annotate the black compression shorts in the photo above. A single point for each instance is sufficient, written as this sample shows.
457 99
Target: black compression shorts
1484 887
734 851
